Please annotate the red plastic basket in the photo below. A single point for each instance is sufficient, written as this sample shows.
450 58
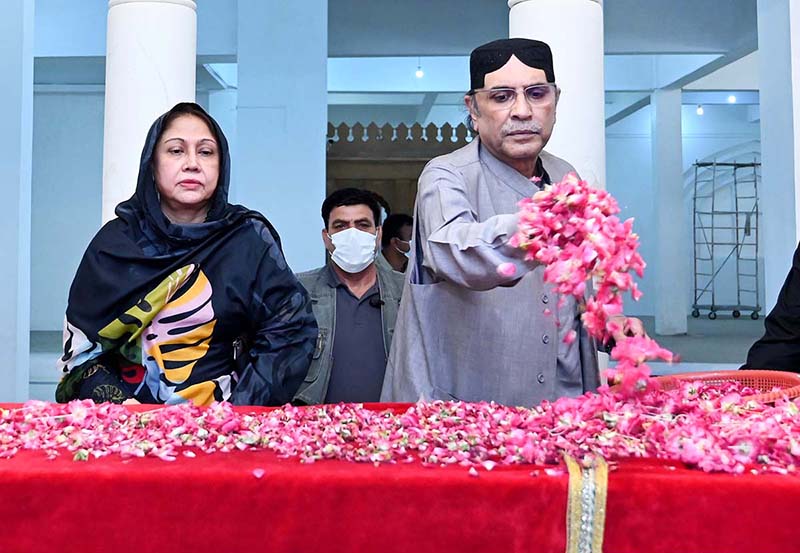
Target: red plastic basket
763 381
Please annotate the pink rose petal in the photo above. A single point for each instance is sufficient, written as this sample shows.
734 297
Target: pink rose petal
506 269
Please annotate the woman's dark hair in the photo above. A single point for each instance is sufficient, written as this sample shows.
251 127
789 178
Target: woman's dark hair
354 196
392 226
188 108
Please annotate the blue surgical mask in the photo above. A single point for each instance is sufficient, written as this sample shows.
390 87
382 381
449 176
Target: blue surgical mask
410 247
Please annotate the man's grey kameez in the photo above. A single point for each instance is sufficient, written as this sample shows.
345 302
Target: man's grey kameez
463 331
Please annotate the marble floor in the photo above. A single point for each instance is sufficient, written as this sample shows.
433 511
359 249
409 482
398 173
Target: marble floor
720 344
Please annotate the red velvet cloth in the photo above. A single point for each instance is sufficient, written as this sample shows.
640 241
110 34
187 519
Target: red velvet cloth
215 503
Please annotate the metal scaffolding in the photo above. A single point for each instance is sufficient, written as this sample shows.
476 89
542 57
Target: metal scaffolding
725 231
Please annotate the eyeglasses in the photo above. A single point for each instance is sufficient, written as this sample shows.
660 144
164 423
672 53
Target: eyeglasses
537 95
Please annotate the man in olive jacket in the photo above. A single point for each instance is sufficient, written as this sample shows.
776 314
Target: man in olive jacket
355 297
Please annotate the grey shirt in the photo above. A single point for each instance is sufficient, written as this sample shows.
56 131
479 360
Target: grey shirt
464 331
359 356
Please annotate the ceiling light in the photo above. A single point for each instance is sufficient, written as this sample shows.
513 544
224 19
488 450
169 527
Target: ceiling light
419 73
700 110
731 99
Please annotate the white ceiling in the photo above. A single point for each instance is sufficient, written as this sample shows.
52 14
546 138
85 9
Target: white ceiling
384 28
455 27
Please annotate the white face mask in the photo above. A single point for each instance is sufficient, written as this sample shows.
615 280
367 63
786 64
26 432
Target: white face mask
355 249
410 248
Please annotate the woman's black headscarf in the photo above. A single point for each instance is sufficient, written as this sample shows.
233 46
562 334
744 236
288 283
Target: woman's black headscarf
143 239
143 209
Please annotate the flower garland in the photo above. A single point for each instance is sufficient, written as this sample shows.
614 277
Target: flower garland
574 230
705 427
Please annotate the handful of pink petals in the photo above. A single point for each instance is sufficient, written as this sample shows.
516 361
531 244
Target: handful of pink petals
574 230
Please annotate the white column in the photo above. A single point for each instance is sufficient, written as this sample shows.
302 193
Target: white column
779 55
282 120
574 31
16 113
670 268
150 66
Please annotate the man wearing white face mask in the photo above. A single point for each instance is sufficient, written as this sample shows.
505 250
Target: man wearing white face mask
396 240
355 301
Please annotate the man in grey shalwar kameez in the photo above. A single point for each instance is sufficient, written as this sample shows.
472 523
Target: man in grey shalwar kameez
465 332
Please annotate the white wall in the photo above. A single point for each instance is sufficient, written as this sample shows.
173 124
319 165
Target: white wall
453 114
629 180
16 115
720 127
66 196
378 114
630 176
78 28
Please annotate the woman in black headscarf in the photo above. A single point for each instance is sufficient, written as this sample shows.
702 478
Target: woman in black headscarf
185 297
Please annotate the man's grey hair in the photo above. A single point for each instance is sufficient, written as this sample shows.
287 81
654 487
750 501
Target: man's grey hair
468 120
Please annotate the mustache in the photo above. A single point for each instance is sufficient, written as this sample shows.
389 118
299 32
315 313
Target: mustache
521 126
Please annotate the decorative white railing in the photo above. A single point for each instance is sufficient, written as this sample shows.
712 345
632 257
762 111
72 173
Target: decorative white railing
400 142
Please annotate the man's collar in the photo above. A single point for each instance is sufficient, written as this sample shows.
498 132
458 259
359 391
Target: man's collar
510 176
332 279
541 173
330 276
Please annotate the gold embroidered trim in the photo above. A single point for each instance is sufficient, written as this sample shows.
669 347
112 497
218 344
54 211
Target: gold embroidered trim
586 505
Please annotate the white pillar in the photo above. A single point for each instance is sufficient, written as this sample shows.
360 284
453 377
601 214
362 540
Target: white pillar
16 113
150 66
779 55
670 267
574 31
282 120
